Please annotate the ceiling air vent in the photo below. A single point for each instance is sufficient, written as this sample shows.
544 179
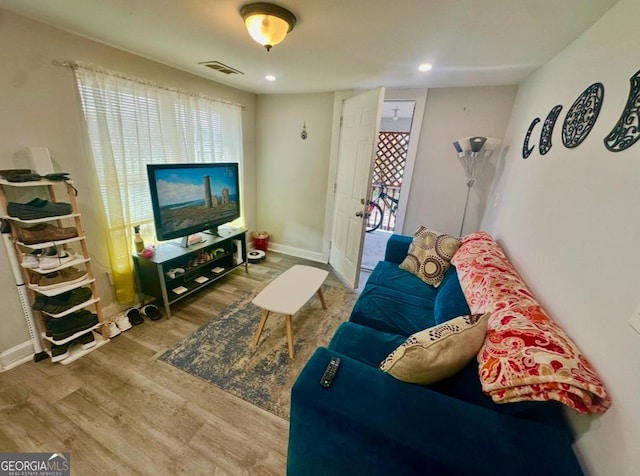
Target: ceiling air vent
223 68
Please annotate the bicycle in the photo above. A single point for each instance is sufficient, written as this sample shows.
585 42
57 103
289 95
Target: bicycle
375 211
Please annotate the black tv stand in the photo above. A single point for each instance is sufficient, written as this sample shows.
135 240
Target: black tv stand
176 272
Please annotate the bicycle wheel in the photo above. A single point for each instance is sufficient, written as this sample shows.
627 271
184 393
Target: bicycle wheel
375 217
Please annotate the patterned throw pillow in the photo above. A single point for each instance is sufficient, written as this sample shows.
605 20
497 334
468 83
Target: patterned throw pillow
430 255
438 352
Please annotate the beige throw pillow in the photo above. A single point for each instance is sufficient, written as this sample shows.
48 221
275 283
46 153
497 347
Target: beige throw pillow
430 255
438 352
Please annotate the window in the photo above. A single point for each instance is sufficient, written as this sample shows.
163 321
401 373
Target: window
131 123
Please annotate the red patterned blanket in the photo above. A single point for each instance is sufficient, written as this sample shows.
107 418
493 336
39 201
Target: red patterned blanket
526 356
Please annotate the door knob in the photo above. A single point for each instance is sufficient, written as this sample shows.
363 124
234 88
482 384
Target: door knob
360 214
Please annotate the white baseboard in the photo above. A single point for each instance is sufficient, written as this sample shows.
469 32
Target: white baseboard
15 356
297 252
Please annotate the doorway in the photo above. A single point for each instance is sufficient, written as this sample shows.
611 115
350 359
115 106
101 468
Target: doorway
393 155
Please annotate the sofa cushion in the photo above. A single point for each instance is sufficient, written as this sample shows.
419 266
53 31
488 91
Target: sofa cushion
389 275
391 310
465 385
438 352
364 344
450 301
430 255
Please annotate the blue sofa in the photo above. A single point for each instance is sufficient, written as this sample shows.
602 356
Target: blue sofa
369 423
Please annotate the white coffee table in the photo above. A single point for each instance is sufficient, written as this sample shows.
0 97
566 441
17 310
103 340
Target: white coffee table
287 294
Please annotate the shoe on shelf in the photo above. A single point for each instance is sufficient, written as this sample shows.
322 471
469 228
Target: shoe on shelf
34 279
30 260
44 232
60 352
8 173
38 208
62 302
134 316
60 278
123 323
62 257
63 327
112 329
86 340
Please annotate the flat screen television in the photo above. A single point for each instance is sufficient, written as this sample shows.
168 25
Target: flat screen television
191 198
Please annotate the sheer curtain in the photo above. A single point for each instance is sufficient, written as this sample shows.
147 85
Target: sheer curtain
131 123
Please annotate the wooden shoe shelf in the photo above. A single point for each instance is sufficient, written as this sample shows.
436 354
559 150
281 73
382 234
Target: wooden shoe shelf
82 260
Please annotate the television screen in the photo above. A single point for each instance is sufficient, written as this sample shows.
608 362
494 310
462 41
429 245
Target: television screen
189 198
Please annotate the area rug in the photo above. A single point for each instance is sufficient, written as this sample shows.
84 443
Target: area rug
222 353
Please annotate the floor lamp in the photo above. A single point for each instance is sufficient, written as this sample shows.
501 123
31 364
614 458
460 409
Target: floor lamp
470 152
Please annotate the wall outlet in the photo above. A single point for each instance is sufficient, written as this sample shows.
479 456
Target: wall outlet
635 320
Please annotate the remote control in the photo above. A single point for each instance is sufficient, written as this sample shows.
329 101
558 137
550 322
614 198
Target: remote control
330 373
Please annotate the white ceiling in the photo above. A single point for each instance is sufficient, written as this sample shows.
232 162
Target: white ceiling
336 44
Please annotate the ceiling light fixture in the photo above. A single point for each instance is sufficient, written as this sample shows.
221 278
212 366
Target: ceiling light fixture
270 77
267 23
395 113
425 67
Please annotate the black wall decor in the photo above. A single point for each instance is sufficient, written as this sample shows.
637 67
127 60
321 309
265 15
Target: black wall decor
526 151
582 116
547 129
627 131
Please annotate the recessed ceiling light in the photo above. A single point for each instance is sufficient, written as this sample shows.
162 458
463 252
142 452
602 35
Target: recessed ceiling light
425 67
270 77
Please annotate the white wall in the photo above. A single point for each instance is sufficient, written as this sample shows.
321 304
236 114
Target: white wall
292 173
40 107
570 222
438 186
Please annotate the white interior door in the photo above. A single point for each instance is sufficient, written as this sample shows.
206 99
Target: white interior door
356 153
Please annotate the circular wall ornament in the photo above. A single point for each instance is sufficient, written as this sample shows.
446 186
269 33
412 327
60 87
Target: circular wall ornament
582 116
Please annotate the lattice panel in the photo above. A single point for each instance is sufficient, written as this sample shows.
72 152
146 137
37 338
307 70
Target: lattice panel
391 158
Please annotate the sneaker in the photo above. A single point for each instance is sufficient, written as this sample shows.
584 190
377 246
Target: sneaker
30 260
123 323
50 262
61 328
86 340
60 278
60 352
112 329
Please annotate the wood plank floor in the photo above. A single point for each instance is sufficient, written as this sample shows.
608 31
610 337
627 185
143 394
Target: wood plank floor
119 410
